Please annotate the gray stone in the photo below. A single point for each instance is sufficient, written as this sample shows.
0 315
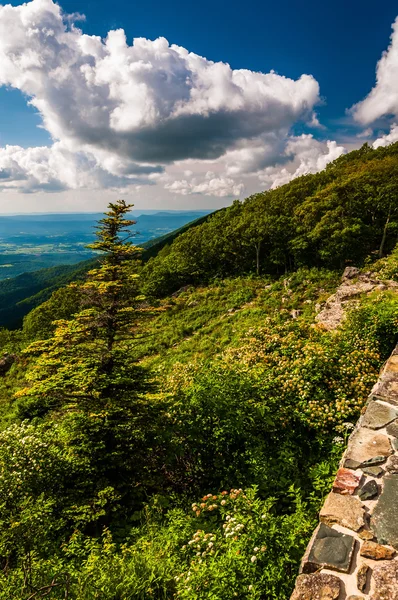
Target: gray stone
369 490
6 363
392 428
387 389
385 516
365 444
395 444
378 415
376 460
350 273
351 464
373 471
362 576
320 586
385 581
330 549
392 466
344 510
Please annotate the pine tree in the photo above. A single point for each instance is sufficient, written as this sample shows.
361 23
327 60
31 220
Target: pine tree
87 364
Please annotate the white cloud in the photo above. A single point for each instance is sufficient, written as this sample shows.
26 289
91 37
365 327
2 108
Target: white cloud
383 99
56 168
366 133
388 138
211 185
119 113
305 155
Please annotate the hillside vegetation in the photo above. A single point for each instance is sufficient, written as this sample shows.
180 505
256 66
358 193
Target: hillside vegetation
170 428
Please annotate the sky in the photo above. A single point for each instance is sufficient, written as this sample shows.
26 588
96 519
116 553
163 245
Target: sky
176 105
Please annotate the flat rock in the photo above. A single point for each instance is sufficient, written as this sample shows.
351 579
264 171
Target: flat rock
392 428
346 481
392 364
385 581
373 471
365 444
376 551
351 464
385 515
355 598
376 460
387 388
392 466
320 586
329 549
369 490
366 534
378 415
395 444
362 577
344 510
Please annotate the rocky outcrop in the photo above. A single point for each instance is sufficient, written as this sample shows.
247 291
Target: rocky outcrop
353 553
6 363
353 284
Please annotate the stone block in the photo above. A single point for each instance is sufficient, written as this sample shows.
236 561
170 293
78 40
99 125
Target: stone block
392 466
378 415
362 577
385 516
365 444
386 388
369 490
344 510
320 586
373 471
392 428
376 551
346 481
366 534
351 464
372 462
385 581
328 549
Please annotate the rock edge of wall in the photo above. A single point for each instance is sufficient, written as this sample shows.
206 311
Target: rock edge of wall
353 553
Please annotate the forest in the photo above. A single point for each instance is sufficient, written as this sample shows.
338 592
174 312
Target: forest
172 418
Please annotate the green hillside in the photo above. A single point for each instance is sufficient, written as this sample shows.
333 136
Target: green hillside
346 214
173 434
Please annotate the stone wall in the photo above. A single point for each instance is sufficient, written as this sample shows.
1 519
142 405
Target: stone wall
352 554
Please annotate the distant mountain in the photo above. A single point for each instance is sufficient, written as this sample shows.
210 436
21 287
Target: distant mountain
32 242
19 295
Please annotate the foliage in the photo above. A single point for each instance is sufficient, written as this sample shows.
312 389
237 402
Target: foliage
180 448
84 363
347 213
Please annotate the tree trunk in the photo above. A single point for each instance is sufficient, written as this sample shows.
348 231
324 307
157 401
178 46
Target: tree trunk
258 247
383 239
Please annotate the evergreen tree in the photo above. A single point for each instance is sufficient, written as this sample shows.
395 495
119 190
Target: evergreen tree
87 363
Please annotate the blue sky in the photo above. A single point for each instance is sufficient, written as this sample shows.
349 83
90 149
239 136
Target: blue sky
215 154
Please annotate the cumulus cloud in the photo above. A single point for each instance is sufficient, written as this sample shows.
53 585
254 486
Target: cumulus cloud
56 168
210 185
125 112
304 155
388 138
383 99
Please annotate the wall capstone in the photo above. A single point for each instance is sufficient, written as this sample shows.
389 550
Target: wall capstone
353 553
